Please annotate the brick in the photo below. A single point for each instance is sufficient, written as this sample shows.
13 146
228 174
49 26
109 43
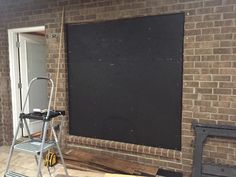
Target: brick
222 51
191 71
222 91
228 30
227 58
208 3
189 25
204 90
189 96
192 32
223 104
204 38
202 103
204 24
193 18
227 98
176 7
234 36
210 57
208 84
228 71
187 114
175 165
209 97
233 105
202 77
227 111
224 117
189 39
218 155
188 45
229 2
229 15
188 77
187 102
223 9
208 109
210 31
188 90
227 162
210 17
210 71
227 85
190 12
191 84
223 36
206 51
233 78
192 58
204 117
209 44
188 65
234 50
193 5
221 78
207 10
188 52
232 118
227 43
224 23
222 64
203 64
187 141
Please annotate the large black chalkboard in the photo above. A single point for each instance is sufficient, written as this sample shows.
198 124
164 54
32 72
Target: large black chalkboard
125 80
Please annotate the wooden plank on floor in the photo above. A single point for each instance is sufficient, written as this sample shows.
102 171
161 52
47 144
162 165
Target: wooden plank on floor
119 175
109 162
95 175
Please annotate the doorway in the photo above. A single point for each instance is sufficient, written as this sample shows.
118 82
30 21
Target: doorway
27 55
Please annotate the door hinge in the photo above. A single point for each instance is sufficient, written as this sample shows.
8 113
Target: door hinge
20 85
17 44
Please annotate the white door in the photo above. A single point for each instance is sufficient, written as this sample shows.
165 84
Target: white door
32 59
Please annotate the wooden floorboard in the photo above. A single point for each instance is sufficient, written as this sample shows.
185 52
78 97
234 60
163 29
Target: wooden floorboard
76 158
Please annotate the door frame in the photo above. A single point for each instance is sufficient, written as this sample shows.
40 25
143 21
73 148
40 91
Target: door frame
14 68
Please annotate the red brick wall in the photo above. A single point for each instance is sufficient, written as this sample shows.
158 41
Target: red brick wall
5 95
209 77
1 123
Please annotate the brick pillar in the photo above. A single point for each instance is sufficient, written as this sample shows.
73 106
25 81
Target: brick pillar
1 125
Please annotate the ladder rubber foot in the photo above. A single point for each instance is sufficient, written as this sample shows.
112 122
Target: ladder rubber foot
14 174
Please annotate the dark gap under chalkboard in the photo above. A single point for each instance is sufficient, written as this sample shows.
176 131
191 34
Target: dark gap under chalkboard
167 173
125 80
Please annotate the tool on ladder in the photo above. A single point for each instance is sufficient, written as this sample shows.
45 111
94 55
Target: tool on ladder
36 146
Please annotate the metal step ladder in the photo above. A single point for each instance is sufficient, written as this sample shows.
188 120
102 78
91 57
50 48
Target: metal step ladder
36 146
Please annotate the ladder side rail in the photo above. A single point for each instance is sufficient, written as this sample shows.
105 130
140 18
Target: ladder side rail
41 148
37 162
29 87
12 146
45 127
61 128
27 129
50 98
59 149
27 94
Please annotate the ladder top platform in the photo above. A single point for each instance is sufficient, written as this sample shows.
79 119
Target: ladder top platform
42 115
